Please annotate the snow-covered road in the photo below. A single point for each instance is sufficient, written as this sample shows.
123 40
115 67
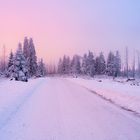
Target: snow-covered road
57 109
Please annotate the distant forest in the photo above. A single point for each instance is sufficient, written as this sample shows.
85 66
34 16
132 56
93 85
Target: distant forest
24 64
91 65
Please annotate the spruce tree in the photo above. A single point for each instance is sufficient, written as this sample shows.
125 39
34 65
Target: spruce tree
67 67
117 64
90 65
111 64
84 64
26 50
20 70
41 69
59 70
10 66
100 64
64 65
32 59
76 65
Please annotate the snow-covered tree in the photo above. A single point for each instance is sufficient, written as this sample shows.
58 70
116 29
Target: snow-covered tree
3 61
59 70
64 64
68 67
126 61
76 65
41 72
100 64
26 50
90 64
133 65
10 65
110 64
117 64
20 69
84 64
32 59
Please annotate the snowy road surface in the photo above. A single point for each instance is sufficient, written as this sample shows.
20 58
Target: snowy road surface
57 109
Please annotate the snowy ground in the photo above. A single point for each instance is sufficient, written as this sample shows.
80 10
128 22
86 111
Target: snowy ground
59 109
122 93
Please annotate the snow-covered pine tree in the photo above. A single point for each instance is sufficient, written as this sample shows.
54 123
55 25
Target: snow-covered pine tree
76 65
41 72
117 64
110 64
97 65
133 65
32 59
59 70
90 64
126 61
10 65
11 59
64 65
20 70
26 52
67 67
3 61
100 64
84 64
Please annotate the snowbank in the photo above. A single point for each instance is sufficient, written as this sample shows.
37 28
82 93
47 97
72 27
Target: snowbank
121 93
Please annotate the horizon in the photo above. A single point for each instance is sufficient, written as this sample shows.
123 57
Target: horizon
70 27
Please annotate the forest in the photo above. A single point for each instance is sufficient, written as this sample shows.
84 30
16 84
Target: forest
24 64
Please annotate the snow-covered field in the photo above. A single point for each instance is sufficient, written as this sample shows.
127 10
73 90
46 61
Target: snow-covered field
123 94
62 109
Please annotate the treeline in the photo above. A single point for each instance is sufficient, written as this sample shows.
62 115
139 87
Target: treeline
91 65
23 64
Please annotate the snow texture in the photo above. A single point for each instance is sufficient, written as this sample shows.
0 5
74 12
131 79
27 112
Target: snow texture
122 93
59 109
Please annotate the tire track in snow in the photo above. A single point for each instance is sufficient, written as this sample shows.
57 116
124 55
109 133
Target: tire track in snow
13 108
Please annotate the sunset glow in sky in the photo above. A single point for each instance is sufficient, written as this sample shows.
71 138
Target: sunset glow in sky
70 26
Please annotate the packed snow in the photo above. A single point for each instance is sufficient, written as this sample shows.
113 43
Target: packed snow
61 109
125 94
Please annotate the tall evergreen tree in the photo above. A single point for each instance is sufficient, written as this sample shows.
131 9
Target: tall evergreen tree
64 64
59 70
67 67
41 69
76 65
10 66
100 64
110 64
26 50
11 60
117 64
32 59
90 64
20 70
84 64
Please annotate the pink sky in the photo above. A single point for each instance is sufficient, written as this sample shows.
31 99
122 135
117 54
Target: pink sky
61 27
